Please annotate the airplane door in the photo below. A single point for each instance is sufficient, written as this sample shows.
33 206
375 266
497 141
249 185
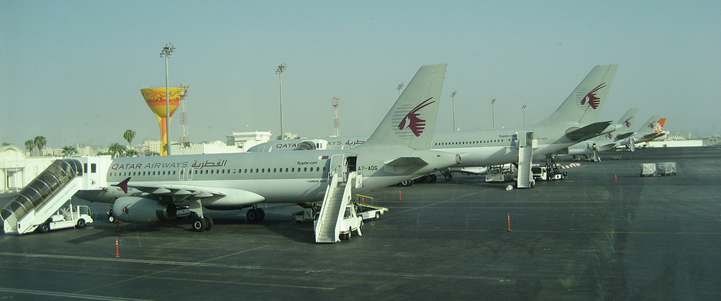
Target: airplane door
336 166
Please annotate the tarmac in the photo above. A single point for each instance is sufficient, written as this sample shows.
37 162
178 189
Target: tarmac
604 233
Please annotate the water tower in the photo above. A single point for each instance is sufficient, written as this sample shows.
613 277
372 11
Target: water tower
155 98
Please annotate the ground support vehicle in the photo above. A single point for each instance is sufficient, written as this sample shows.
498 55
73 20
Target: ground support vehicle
68 217
544 173
308 214
666 168
370 212
351 222
648 169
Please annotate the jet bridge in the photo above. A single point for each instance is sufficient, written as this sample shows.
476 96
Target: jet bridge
50 190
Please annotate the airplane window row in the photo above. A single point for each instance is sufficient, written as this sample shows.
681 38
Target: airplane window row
218 171
472 142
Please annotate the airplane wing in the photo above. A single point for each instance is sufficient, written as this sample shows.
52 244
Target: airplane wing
183 194
587 132
177 191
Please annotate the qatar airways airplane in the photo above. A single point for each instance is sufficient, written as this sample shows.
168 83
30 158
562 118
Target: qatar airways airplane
153 188
576 119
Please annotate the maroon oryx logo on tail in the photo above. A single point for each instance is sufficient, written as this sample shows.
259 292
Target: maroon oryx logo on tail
591 98
412 121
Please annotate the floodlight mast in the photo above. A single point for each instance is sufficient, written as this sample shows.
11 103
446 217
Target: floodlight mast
167 50
279 71
493 112
524 116
453 96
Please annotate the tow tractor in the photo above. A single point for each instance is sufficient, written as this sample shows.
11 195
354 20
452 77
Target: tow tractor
68 217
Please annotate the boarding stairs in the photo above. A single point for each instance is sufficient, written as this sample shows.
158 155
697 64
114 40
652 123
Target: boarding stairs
49 191
341 181
525 160
337 197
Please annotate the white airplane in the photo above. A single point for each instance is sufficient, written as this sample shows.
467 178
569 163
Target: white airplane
651 130
154 188
575 120
621 136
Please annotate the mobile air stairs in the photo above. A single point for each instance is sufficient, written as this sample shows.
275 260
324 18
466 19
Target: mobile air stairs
342 178
525 160
50 190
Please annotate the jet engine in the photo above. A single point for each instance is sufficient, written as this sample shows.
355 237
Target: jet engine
142 210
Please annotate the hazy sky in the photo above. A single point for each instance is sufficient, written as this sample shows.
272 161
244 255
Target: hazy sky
71 71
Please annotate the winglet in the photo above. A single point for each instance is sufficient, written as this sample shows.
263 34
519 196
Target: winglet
123 185
412 119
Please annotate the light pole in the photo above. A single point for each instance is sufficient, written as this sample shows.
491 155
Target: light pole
167 50
279 71
524 116
493 111
453 96
400 88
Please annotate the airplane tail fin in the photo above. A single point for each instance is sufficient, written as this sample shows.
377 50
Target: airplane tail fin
412 119
584 104
649 126
659 126
626 120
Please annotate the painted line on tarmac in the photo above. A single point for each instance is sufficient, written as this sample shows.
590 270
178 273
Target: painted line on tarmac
61 294
444 201
181 264
552 231
177 265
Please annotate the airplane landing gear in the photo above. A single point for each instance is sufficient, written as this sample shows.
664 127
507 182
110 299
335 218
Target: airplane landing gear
255 214
200 221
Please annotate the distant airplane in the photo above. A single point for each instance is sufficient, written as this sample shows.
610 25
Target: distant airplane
575 120
621 136
651 130
153 188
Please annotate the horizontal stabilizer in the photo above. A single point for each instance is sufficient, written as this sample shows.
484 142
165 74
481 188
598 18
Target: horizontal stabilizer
404 164
623 136
587 132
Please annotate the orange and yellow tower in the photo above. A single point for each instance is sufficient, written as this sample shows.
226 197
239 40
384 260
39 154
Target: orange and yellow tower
155 98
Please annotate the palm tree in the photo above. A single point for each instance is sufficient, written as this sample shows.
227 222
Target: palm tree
116 149
131 152
30 145
69 151
129 135
40 141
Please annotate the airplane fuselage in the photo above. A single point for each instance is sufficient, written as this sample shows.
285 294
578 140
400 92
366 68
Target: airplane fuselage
243 179
476 147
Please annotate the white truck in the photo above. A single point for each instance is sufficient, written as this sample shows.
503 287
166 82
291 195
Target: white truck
68 217
350 222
